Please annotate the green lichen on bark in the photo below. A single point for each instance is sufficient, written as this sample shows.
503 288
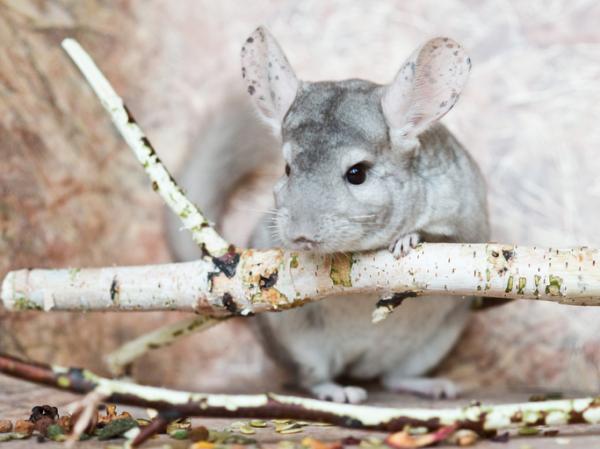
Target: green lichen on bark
294 261
521 285
341 265
23 303
509 284
554 285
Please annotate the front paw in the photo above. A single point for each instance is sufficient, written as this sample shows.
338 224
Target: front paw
432 388
404 245
330 391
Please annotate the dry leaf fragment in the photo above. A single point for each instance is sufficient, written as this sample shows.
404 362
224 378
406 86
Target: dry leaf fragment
404 440
203 445
312 443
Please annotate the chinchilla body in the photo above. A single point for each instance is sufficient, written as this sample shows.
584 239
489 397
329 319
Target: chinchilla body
367 167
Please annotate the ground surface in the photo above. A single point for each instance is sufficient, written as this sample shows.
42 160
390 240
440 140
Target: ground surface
17 398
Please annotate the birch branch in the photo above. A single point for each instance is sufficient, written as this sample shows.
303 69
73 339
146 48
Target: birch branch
193 220
480 418
252 281
120 359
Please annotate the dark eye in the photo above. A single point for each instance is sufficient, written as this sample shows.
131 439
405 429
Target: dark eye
357 174
287 169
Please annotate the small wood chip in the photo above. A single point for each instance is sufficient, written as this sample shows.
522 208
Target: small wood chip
5 425
23 426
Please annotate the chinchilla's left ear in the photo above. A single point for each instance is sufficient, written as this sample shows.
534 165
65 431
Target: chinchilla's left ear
426 87
270 80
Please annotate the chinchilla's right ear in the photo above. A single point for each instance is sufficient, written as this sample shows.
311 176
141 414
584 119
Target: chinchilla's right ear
270 79
424 90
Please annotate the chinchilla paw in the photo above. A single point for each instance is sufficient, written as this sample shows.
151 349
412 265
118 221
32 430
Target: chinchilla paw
404 245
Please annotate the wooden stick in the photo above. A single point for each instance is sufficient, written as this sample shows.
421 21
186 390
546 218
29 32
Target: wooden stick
481 418
193 220
252 281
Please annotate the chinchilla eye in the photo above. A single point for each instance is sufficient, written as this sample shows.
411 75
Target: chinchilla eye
287 169
357 174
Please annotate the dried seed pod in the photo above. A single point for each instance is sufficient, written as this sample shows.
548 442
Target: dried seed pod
199 433
40 411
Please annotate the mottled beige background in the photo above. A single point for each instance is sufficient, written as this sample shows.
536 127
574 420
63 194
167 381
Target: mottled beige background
72 195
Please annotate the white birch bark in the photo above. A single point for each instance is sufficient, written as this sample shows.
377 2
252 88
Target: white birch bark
275 279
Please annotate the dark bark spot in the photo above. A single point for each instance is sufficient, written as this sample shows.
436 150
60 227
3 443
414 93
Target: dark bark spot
507 254
395 300
227 263
268 282
114 289
229 303
130 118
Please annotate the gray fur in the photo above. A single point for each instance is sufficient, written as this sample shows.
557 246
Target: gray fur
420 181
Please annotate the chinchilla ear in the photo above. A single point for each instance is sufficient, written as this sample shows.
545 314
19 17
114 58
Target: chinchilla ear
270 79
425 89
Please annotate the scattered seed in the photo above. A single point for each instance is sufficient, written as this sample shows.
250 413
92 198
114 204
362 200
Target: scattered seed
292 430
179 434
258 423
284 427
247 430
525 431
281 421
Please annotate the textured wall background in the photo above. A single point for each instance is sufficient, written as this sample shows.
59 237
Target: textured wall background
72 195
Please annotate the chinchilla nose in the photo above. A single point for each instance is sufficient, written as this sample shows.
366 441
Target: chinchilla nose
303 239
304 242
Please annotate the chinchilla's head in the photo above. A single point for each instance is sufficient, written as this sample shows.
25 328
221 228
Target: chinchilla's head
349 183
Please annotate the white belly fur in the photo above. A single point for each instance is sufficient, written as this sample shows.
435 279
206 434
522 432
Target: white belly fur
336 336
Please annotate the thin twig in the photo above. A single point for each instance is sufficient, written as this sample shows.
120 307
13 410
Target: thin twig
159 338
193 220
480 418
